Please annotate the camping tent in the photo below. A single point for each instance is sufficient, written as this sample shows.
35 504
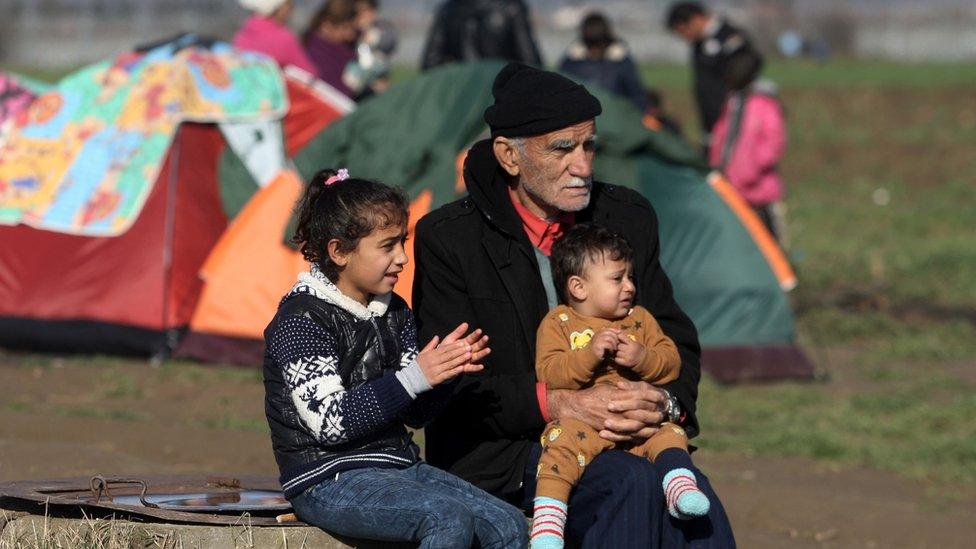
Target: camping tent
111 196
201 266
728 273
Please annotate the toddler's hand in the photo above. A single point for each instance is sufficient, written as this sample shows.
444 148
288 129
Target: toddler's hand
457 353
629 352
605 343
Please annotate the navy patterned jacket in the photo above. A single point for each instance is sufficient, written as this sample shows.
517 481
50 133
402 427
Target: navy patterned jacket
336 394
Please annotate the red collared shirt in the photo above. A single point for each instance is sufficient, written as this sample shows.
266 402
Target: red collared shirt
541 232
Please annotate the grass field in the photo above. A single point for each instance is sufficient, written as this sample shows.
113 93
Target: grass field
881 178
882 197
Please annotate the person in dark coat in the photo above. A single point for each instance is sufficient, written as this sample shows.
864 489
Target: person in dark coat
713 40
484 259
465 30
601 59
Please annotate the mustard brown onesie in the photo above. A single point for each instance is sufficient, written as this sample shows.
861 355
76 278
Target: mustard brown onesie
565 361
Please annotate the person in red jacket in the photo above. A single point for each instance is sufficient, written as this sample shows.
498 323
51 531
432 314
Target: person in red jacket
749 138
266 31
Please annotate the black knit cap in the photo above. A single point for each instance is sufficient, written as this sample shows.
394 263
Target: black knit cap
529 101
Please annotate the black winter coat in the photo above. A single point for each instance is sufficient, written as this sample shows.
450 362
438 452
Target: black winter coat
708 58
370 349
475 264
467 30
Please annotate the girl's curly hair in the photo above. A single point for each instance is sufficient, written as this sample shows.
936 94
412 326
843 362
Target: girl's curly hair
347 210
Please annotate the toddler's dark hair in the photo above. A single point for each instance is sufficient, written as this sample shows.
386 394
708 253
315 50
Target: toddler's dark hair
583 242
347 210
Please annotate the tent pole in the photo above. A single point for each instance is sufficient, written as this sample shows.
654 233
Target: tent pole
169 334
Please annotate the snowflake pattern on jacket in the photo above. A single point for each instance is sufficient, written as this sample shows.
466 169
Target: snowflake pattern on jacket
332 413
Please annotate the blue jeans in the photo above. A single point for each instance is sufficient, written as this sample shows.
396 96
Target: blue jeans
619 504
419 503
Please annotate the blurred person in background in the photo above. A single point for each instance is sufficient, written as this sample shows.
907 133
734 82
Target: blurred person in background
713 40
369 73
600 58
749 138
655 117
330 41
351 47
266 31
465 30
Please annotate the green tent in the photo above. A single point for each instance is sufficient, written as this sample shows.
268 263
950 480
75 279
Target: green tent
412 135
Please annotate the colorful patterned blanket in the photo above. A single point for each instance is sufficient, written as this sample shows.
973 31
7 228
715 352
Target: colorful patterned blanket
15 97
83 157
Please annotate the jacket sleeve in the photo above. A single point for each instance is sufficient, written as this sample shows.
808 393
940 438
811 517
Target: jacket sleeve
559 366
525 46
308 357
662 363
659 300
429 403
295 54
434 53
630 84
770 141
504 404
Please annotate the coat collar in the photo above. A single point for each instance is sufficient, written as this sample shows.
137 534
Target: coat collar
487 186
316 284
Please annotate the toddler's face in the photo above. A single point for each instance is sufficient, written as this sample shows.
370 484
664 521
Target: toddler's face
373 267
609 288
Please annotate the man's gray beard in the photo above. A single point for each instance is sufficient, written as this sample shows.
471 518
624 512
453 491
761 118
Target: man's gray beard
530 189
589 185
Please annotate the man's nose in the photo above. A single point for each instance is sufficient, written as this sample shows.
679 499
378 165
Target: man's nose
401 259
581 163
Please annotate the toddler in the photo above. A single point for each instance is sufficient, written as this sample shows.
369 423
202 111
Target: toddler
343 378
599 336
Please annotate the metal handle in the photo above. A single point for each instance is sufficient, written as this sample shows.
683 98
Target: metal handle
99 486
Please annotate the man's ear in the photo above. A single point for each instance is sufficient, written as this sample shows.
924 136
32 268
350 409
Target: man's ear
576 287
339 257
506 154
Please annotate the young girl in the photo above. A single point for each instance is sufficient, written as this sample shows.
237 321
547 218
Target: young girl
343 375
749 138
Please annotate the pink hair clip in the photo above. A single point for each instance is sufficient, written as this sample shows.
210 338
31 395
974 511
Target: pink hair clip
341 175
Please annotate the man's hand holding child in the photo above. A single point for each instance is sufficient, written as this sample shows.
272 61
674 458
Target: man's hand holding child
442 360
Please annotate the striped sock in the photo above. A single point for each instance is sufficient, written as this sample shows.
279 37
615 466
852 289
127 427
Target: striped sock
684 499
548 523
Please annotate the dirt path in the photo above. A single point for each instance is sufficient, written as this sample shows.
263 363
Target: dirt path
81 418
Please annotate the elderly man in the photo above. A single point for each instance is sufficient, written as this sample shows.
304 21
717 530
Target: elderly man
484 260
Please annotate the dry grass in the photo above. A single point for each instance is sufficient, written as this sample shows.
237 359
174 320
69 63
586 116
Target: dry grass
92 533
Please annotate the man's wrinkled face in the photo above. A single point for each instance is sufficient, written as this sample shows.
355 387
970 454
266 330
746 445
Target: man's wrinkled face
556 169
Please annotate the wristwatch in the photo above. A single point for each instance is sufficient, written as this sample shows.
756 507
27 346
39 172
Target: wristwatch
672 410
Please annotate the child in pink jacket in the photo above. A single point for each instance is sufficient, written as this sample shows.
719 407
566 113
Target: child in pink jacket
749 138
266 32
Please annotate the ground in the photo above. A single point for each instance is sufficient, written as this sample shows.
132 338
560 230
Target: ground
78 417
878 452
